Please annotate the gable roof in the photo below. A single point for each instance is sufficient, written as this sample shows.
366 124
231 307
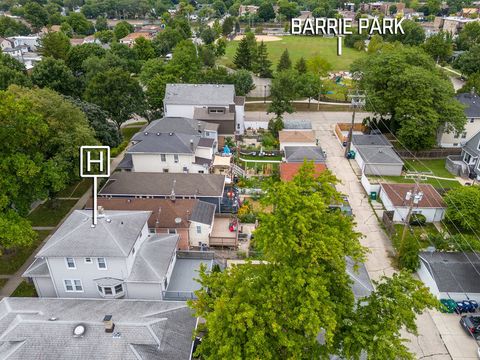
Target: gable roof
453 271
164 143
147 330
162 184
300 153
164 212
306 136
370 140
179 125
397 193
472 103
472 145
114 235
378 155
199 94
289 170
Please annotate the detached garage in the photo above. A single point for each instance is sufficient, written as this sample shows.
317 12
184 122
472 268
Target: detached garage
379 161
394 197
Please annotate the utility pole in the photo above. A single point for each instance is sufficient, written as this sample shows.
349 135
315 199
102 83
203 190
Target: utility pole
358 100
413 198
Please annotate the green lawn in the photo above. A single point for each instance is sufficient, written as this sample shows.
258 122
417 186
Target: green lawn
51 212
76 189
436 183
262 158
306 46
10 263
127 133
25 289
436 166
417 233
3 282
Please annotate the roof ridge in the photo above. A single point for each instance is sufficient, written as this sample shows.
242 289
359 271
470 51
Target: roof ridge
113 238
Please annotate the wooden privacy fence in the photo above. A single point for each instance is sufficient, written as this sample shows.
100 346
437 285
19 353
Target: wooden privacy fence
340 127
428 154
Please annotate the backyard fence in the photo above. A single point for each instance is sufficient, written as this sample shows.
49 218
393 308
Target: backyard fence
429 154
340 127
387 220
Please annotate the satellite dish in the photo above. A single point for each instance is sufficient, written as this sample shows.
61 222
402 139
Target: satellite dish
178 220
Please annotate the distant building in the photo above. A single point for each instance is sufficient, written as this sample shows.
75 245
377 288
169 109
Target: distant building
211 103
247 10
452 24
129 40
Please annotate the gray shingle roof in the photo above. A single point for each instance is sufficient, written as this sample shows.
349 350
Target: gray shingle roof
206 142
199 94
473 144
114 235
371 140
203 213
378 155
126 162
147 330
361 284
164 143
472 103
153 258
162 184
38 268
453 272
179 125
300 153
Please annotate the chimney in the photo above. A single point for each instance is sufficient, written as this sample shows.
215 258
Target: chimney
108 323
191 144
101 211
172 194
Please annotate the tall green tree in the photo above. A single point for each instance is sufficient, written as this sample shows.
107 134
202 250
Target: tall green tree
319 66
101 24
413 34
166 40
12 27
263 64
469 61
301 65
469 36
227 26
122 29
12 71
185 64
78 54
439 46
242 79
278 309
473 82
144 49
404 86
463 205
243 58
116 92
80 24
54 74
283 92
266 12
309 85
284 63
35 14
54 44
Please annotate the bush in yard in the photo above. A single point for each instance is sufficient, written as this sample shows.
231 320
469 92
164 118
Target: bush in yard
418 220
269 141
463 207
408 254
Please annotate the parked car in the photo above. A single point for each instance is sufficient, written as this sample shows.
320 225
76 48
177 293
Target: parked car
471 324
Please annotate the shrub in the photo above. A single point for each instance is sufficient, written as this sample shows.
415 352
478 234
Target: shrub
418 220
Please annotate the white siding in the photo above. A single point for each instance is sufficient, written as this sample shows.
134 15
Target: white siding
382 169
401 212
153 163
449 140
179 111
204 152
240 119
203 237
144 291
44 287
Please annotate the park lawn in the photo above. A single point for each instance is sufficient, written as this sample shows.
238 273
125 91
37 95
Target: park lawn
51 212
436 166
10 263
25 289
302 46
76 189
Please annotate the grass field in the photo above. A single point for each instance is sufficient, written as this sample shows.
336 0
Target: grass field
436 166
25 289
306 46
50 213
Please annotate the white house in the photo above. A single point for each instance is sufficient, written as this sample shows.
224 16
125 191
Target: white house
116 258
394 198
177 145
30 41
472 112
451 274
211 103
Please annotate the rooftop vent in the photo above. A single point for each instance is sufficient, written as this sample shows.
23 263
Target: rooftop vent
158 134
108 220
178 220
145 133
79 330
53 318
117 335
170 134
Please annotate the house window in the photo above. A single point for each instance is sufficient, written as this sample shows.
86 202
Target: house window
207 133
175 158
457 135
107 290
118 288
216 111
172 231
88 260
199 229
101 263
165 170
73 285
163 157
70 263
455 144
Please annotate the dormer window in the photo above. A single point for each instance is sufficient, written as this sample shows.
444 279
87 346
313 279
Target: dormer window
70 263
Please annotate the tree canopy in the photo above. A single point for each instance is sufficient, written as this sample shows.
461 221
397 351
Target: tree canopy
463 205
406 90
301 291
